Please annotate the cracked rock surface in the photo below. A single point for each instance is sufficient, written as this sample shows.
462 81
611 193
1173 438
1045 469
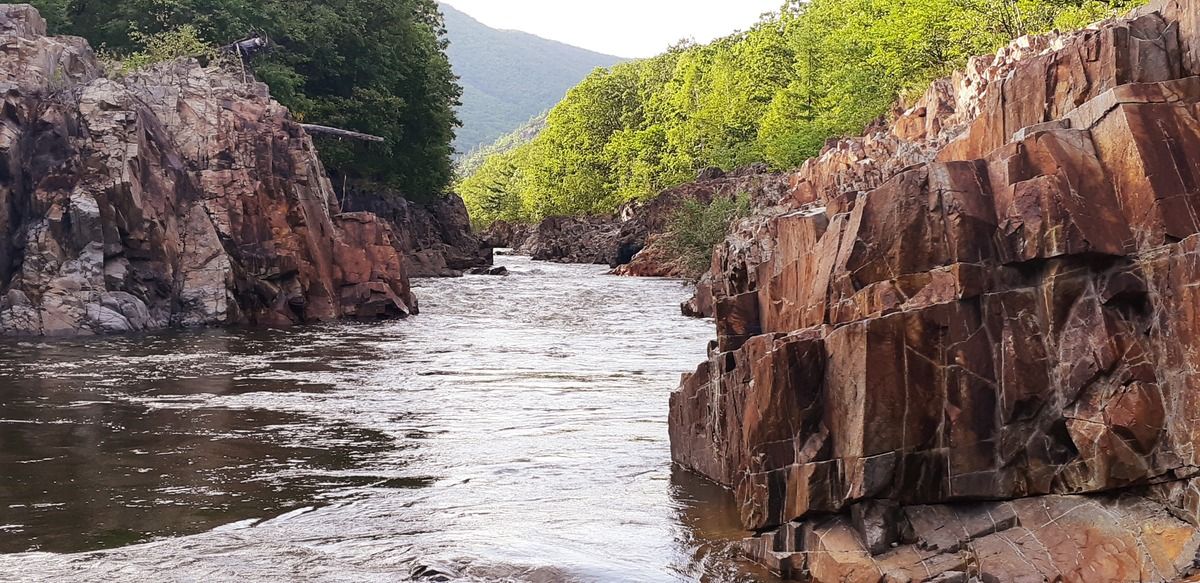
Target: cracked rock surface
965 346
177 196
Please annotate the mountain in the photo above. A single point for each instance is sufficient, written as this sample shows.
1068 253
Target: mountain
470 161
508 76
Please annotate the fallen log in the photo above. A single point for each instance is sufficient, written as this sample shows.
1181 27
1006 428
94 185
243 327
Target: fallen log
338 132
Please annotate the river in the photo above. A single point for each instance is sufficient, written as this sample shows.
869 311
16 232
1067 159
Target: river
514 431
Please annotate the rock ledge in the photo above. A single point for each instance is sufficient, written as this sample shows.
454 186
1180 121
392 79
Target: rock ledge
178 196
965 346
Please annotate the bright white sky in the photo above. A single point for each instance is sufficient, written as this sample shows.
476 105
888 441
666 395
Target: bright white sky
625 28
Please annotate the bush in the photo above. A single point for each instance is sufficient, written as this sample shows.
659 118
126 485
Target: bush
159 47
696 228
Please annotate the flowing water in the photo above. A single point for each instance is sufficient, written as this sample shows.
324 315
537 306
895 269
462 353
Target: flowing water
515 431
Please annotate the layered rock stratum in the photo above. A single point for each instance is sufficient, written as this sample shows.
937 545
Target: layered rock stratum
966 345
177 196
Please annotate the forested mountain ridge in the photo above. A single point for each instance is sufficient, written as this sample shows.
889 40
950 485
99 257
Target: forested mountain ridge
468 164
509 76
775 94
377 66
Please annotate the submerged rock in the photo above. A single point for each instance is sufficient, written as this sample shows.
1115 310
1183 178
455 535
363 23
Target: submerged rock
176 196
498 270
965 346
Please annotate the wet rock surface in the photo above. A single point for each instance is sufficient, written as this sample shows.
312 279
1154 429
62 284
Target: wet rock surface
963 346
499 270
178 196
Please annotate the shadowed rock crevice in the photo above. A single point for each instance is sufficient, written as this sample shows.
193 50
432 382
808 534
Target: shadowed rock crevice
965 345
177 196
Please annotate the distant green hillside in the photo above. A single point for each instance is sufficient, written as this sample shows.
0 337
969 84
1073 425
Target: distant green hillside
509 77
469 163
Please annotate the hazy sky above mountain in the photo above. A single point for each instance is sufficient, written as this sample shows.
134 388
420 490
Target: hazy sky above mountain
625 28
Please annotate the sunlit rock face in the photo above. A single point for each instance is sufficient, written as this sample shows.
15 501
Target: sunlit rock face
176 196
968 344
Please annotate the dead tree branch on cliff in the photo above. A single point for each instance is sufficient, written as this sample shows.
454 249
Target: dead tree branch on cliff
249 47
246 48
316 129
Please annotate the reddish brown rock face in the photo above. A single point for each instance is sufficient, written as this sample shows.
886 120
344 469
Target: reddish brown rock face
990 301
434 236
177 196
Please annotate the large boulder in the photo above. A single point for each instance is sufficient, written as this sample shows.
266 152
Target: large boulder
176 196
435 236
965 345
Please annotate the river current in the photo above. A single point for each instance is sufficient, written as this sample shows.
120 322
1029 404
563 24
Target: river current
514 431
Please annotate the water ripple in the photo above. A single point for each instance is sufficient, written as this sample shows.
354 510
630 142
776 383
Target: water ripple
515 431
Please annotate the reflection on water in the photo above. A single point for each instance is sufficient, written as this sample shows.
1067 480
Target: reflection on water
515 431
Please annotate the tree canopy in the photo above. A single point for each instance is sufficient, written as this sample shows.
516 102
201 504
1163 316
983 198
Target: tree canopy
774 93
376 66
509 76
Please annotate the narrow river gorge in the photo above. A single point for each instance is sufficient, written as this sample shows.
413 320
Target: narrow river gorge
515 430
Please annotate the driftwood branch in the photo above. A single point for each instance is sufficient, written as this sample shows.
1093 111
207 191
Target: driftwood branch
316 129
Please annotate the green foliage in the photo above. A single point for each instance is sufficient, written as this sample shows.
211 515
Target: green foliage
696 228
1075 17
470 163
1014 18
163 46
775 93
376 66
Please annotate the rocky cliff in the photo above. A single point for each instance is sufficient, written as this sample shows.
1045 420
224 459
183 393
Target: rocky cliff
965 346
435 237
177 196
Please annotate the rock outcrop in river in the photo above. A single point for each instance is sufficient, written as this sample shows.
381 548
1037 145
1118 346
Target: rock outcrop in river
176 196
631 239
967 346
435 236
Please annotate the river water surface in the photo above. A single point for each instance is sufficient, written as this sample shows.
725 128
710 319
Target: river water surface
515 431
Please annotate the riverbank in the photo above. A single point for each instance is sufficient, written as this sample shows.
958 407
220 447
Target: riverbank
631 240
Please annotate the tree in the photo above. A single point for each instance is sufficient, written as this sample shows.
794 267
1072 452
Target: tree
375 66
775 93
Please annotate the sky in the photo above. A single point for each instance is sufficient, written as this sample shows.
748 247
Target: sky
625 28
